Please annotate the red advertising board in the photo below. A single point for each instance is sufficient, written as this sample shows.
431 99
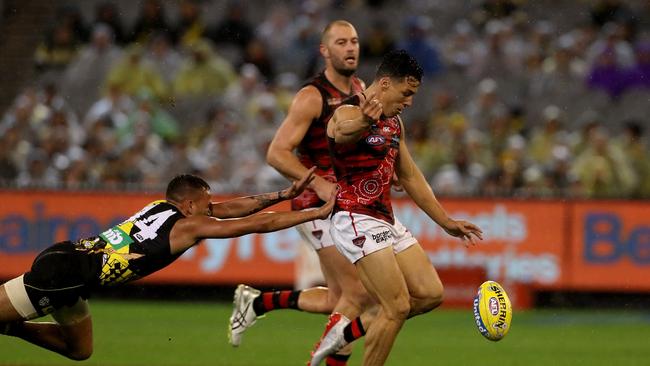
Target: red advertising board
528 244
610 246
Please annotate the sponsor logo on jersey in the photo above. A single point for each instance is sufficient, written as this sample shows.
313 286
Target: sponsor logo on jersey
116 237
375 140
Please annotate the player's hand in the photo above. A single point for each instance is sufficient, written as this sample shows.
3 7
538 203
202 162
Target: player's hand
397 186
325 210
370 106
322 187
298 186
464 230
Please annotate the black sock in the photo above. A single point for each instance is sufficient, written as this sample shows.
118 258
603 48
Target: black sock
276 300
354 330
337 360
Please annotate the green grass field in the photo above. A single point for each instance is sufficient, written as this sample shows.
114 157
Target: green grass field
171 333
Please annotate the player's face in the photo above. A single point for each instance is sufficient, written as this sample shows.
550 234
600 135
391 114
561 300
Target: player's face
398 95
200 204
342 49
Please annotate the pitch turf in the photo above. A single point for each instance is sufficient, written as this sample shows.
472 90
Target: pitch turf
169 333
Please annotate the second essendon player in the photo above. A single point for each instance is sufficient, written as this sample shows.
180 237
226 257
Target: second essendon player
301 142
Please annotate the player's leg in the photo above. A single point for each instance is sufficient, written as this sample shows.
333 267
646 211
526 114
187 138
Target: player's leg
382 277
347 295
424 285
70 335
249 304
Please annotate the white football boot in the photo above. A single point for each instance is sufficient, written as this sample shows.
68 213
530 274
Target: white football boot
243 316
332 340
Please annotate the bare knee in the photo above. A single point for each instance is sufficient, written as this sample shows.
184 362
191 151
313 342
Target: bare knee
427 299
398 308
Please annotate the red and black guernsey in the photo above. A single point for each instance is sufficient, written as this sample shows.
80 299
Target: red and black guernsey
364 170
313 150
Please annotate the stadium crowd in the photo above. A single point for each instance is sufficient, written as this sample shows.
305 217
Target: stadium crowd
519 101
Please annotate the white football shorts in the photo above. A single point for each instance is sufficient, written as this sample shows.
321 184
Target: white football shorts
316 233
357 235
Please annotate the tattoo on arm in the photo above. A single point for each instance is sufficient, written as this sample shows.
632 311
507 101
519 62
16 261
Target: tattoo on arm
265 200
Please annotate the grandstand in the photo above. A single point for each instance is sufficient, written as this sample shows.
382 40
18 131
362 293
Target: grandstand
526 91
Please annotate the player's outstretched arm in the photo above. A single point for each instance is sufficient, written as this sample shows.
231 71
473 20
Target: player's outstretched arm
191 230
413 181
245 206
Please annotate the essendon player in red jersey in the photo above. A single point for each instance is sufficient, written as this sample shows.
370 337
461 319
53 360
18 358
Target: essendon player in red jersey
304 131
367 146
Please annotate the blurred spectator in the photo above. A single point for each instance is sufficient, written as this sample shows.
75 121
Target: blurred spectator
546 137
378 41
605 11
39 172
240 96
203 73
485 104
107 13
191 27
492 9
57 50
276 32
234 29
114 107
151 21
602 169
609 75
632 143
417 42
148 121
256 53
640 73
135 74
70 17
611 40
86 74
163 56
462 178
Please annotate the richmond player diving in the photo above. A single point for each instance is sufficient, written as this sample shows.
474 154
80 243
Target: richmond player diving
63 276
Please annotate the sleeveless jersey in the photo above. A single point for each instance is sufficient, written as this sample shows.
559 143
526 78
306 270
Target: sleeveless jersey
364 170
313 150
136 247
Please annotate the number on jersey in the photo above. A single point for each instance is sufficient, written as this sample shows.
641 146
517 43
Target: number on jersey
149 226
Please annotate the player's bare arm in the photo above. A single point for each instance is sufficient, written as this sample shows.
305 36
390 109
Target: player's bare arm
413 181
189 231
349 122
305 107
249 205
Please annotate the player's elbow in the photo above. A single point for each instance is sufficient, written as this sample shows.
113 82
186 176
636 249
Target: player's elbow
272 155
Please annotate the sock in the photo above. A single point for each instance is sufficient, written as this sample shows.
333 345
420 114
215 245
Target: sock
337 360
353 330
276 300
6 328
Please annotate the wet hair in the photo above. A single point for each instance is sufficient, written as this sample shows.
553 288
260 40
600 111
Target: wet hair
184 185
398 64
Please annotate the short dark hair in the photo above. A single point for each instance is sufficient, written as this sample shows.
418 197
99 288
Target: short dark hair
399 64
184 185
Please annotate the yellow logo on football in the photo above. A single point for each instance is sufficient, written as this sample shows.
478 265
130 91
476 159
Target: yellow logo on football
492 311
